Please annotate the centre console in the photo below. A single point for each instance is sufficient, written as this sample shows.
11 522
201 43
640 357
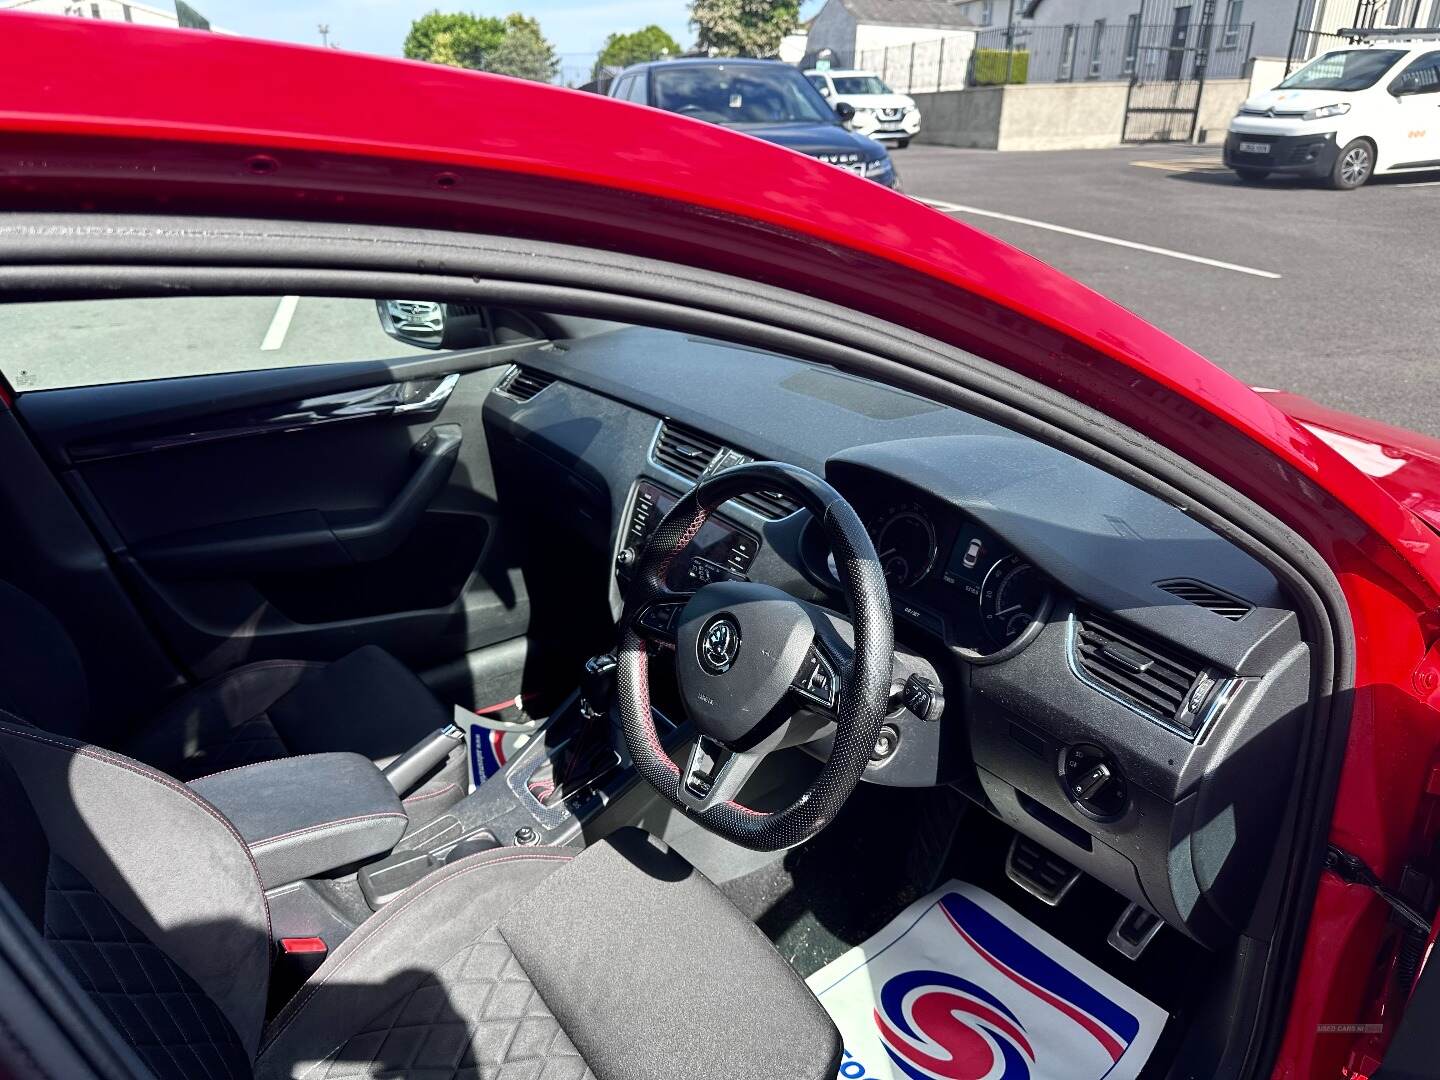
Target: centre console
722 548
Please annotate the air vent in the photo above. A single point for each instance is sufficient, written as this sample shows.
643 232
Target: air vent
768 504
1208 597
684 451
522 384
1158 680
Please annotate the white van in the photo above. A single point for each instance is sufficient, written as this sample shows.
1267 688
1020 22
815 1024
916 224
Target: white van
1346 115
880 113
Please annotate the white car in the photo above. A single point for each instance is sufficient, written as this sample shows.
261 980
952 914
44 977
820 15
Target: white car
880 113
1347 115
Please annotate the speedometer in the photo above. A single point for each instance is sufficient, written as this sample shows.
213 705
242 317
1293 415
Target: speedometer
1013 598
905 542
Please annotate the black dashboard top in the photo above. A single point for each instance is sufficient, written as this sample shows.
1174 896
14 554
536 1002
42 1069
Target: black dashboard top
1091 533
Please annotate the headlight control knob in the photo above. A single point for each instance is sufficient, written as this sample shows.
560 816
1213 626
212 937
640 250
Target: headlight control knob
1093 783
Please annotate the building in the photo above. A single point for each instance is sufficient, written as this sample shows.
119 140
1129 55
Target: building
178 14
849 29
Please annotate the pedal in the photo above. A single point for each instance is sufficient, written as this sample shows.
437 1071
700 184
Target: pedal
1134 930
1044 876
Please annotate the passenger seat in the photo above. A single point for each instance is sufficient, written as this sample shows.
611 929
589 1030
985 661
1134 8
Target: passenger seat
367 702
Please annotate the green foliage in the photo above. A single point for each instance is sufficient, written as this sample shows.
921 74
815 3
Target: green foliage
743 27
513 45
457 38
622 50
989 67
523 52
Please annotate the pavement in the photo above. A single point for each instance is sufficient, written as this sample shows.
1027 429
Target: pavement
1328 294
1325 293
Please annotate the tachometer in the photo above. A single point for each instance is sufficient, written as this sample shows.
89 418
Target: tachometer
1013 598
905 541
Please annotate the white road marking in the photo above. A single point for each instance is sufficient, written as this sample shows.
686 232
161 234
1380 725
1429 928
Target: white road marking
957 208
279 324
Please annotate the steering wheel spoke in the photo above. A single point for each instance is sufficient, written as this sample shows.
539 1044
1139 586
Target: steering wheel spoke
714 774
657 619
817 684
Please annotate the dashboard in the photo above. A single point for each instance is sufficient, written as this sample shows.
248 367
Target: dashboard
1121 685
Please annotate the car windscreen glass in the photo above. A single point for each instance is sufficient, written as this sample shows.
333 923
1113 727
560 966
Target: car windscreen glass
739 94
859 84
1344 69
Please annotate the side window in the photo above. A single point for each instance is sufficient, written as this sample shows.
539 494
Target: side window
637 89
820 83
1421 77
62 343
622 86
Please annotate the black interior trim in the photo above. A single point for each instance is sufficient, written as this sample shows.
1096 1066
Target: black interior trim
144 255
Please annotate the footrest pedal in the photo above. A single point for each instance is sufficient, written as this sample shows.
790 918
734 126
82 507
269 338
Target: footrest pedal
1044 876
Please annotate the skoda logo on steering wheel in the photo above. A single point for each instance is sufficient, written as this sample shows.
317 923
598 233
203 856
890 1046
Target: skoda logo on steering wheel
719 644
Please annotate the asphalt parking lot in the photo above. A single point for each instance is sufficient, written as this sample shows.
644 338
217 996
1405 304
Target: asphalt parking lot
1328 294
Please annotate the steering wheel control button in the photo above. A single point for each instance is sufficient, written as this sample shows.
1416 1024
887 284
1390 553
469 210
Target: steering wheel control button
923 698
703 768
659 619
718 644
817 680
1093 783
885 744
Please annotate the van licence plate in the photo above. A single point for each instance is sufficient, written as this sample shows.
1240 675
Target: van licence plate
1254 148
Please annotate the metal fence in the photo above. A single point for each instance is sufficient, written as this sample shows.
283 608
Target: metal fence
1078 52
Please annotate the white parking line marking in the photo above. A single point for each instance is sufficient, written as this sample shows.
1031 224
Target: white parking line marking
279 324
956 208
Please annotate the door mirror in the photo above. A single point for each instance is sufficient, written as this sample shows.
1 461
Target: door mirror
428 324
845 111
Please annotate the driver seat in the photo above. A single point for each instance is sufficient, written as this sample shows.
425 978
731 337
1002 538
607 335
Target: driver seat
621 961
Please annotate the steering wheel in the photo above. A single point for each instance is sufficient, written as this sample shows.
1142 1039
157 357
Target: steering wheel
758 669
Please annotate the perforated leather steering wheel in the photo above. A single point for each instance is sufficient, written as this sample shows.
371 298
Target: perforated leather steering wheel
758 669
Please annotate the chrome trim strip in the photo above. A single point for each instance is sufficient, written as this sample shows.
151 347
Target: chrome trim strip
1218 702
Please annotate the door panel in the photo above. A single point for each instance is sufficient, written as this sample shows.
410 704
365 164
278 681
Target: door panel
299 512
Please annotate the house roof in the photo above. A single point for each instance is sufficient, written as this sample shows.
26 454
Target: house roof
941 14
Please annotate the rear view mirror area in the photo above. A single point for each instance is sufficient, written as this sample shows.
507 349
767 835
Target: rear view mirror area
430 324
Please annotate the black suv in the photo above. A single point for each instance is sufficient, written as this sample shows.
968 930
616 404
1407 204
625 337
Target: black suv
765 98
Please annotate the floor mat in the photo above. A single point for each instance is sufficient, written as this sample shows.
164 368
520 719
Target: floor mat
959 986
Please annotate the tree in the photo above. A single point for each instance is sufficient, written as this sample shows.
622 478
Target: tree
457 39
622 50
523 52
743 27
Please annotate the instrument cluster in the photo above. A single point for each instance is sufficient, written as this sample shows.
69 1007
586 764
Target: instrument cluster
952 578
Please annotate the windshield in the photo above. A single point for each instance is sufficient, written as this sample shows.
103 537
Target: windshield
1344 69
739 94
860 84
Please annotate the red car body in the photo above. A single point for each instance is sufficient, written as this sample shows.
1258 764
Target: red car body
105 116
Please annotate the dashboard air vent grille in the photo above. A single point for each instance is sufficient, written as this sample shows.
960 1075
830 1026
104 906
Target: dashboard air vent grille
684 451
769 504
1154 678
522 384
1208 597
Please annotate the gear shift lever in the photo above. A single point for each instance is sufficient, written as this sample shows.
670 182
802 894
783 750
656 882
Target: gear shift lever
597 686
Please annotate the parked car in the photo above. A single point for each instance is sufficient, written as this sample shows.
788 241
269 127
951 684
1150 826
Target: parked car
880 113
907 567
1346 116
764 98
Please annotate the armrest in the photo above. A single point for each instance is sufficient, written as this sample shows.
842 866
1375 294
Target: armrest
305 815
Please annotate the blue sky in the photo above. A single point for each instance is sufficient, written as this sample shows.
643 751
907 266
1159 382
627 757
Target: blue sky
379 26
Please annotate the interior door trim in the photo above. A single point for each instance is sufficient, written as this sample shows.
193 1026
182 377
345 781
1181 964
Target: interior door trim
415 399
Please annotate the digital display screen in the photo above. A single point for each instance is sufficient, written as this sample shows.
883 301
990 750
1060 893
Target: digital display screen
975 551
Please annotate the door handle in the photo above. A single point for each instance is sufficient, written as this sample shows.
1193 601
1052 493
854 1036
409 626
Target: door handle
310 539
